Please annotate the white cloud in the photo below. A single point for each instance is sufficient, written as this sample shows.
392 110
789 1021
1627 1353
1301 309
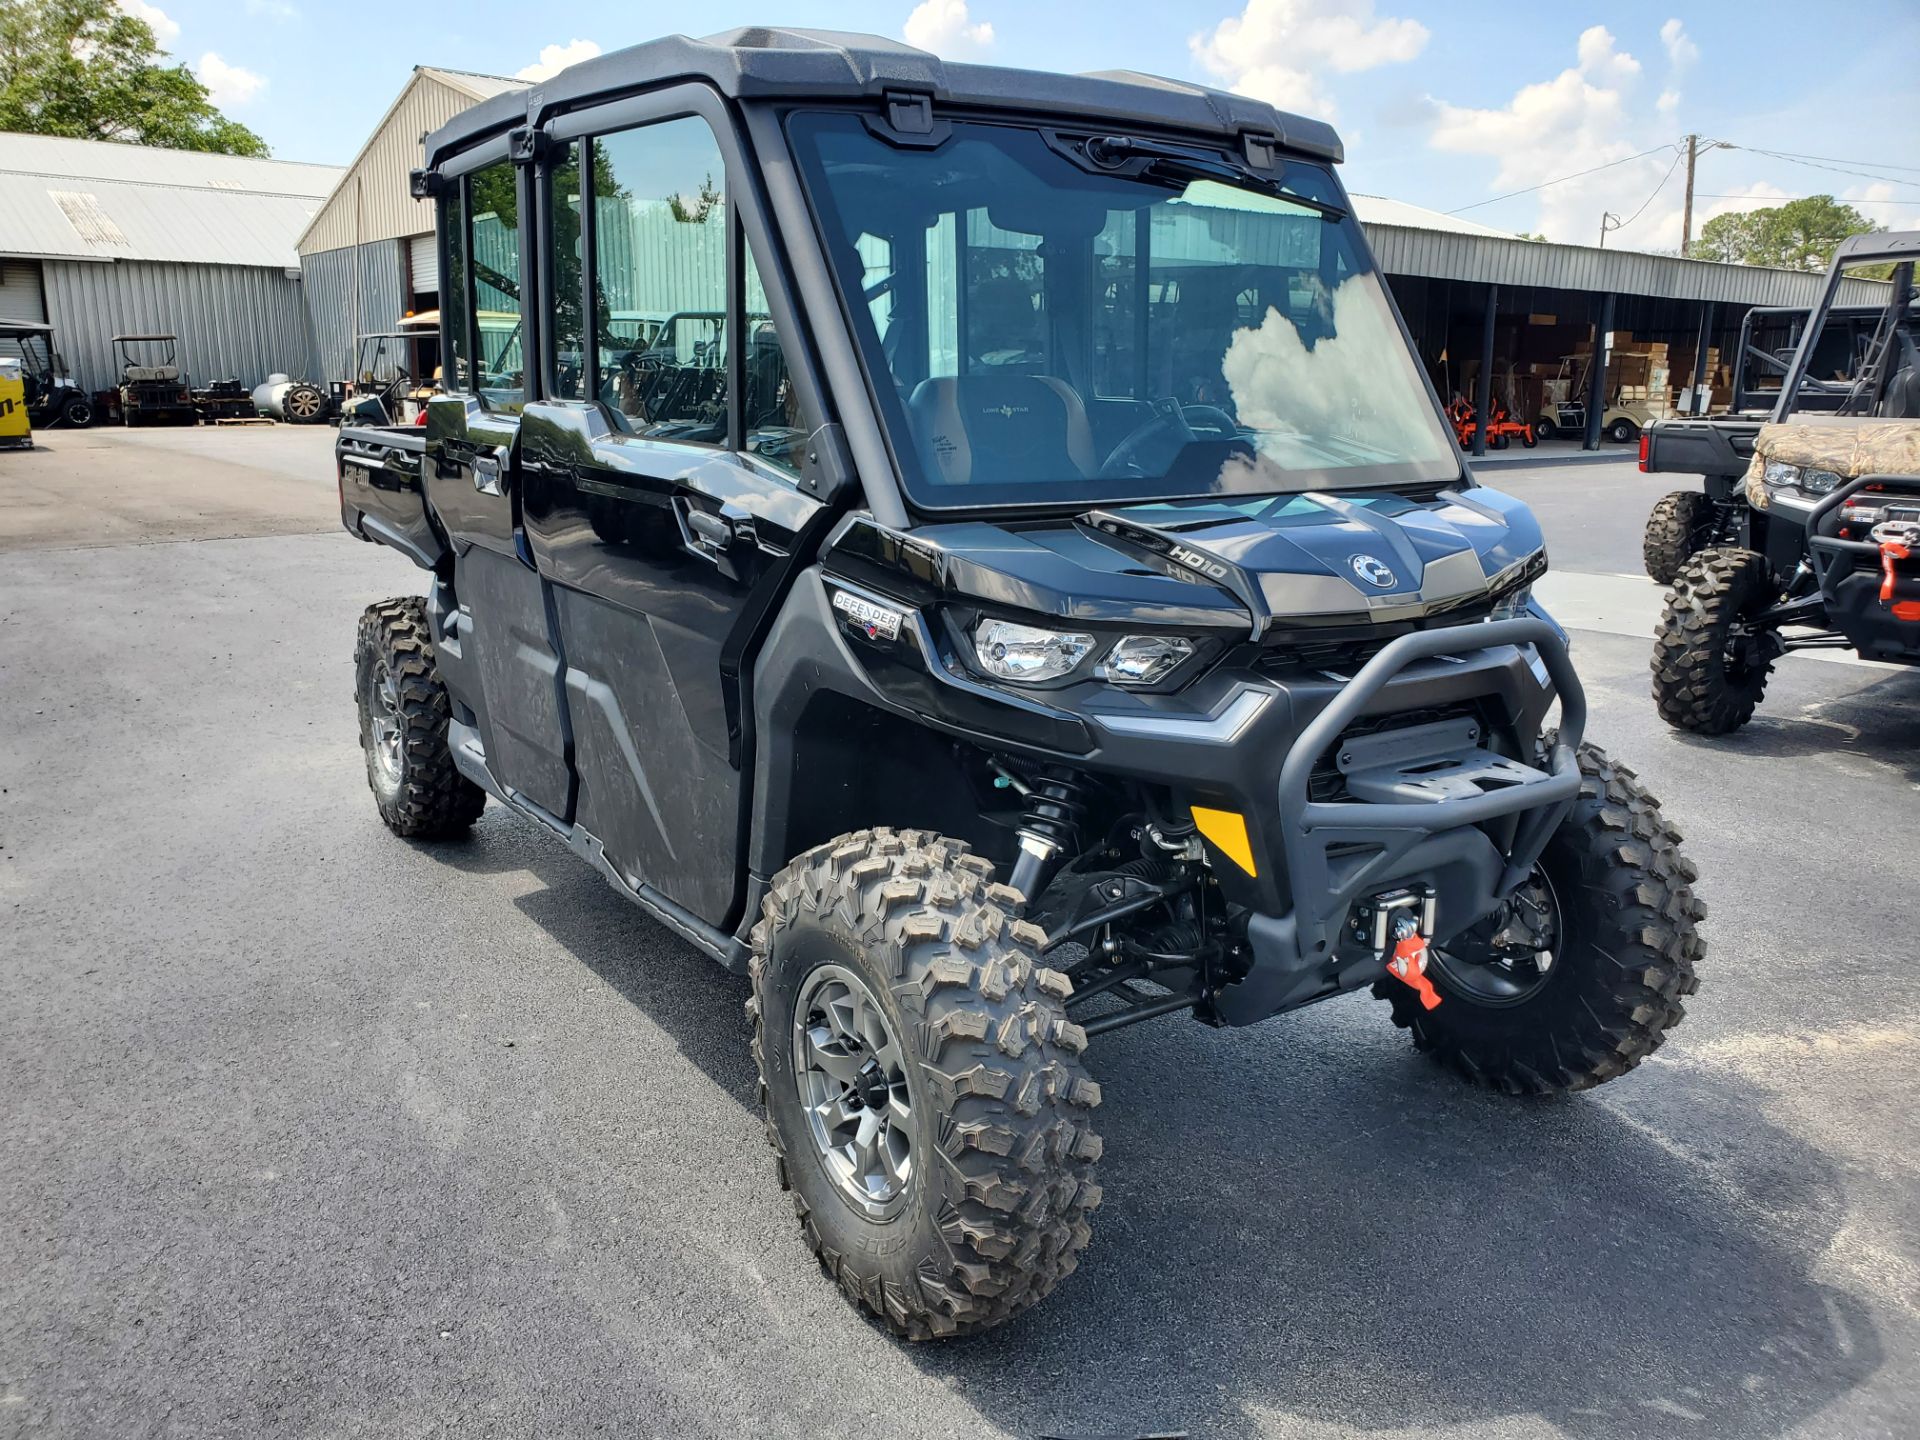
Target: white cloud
1592 113
1681 51
165 28
227 85
555 58
1883 207
945 28
1276 50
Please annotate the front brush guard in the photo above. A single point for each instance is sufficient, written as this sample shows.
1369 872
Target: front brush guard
1386 842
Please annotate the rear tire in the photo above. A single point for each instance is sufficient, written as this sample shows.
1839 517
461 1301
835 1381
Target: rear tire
979 1206
1709 671
303 404
1623 956
1623 432
1677 530
404 711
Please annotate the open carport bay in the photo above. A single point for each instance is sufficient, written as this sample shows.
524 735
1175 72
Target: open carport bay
315 1131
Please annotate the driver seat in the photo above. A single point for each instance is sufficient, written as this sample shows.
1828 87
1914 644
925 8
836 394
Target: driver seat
1007 429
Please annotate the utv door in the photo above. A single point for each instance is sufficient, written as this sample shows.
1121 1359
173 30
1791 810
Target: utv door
664 499
501 661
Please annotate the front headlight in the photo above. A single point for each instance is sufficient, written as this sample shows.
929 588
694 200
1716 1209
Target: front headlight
1145 659
1027 653
1513 604
1819 482
1779 475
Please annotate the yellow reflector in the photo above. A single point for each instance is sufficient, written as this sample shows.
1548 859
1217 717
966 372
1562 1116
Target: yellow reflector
1227 829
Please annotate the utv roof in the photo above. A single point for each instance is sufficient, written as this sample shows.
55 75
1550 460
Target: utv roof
765 64
24 327
1880 245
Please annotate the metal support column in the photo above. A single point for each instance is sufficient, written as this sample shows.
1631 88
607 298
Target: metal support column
1483 391
1700 359
1597 375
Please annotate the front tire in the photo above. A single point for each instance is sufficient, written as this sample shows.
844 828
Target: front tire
1545 429
922 1084
1710 664
304 404
1677 529
404 711
1587 1006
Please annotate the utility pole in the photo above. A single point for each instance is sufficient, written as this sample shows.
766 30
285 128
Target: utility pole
1686 214
1608 221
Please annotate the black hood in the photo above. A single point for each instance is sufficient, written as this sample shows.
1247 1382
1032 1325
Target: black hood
1215 564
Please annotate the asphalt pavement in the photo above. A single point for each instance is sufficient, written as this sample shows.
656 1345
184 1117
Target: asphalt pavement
311 1131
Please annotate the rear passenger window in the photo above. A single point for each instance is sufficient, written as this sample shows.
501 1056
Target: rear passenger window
458 374
565 244
660 280
494 198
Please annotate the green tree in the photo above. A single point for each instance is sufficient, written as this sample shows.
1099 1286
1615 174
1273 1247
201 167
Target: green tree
1799 235
696 210
88 70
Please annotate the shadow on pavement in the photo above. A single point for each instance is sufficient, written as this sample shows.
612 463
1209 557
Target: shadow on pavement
1299 1227
1876 721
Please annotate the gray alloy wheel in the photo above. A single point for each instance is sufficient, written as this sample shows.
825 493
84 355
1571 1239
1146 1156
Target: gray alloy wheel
852 1080
388 738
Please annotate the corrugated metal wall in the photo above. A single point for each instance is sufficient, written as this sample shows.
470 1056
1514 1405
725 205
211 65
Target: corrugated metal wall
376 185
232 321
329 296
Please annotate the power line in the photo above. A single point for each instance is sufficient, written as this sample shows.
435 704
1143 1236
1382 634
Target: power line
1562 179
1649 200
1837 159
1835 169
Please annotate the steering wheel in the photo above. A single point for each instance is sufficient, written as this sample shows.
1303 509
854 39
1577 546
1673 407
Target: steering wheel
1145 450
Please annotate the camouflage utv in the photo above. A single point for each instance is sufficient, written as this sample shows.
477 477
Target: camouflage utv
1839 484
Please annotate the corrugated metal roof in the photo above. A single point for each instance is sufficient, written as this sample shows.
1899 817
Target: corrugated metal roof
98 200
1451 254
371 201
1379 210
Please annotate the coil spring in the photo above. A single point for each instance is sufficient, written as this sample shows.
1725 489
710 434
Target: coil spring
1056 805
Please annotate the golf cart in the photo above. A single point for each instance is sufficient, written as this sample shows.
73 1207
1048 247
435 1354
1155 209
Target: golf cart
153 391
52 397
1835 477
1046 597
1567 414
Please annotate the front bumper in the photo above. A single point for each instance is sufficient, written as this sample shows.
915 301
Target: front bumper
1337 853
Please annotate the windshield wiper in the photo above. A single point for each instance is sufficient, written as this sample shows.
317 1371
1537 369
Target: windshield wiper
1151 159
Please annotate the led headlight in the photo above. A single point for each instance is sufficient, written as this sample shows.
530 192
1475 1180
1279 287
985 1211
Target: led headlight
1145 659
1779 475
1513 604
1026 653
1819 482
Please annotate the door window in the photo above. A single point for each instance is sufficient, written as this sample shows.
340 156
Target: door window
566 244
453 298
494 196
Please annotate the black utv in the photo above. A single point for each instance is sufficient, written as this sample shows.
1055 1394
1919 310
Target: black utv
1832 559
1039 594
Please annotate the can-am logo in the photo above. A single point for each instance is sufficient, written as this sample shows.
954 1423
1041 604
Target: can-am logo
1374 571
1194 560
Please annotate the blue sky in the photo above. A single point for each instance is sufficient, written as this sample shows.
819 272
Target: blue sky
1442 105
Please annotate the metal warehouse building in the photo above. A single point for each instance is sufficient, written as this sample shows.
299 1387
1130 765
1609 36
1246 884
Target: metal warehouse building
100 239
368 255
1481 302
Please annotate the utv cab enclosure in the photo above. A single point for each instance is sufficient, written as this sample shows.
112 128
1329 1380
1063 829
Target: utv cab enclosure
1018 583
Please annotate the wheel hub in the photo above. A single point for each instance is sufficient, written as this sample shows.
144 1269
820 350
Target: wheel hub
849 1071
1509 956
384 716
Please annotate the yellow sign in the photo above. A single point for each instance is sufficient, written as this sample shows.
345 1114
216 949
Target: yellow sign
13 405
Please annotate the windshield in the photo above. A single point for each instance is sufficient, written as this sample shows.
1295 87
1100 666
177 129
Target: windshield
1043 333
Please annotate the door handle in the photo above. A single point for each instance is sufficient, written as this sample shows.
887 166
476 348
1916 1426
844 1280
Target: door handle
711 530
486 474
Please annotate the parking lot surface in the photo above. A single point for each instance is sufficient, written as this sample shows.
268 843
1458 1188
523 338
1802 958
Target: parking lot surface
312 1131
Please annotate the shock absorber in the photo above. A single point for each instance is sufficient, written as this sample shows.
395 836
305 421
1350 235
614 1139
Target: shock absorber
1049 829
